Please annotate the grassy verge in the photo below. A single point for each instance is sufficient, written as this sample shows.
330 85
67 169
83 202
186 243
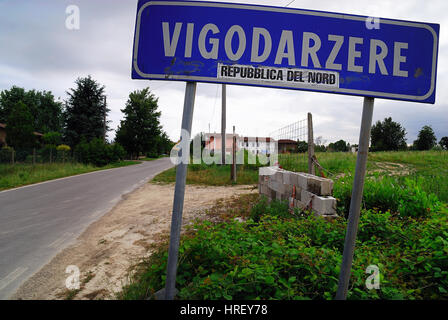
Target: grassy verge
152 159
24 174
213 175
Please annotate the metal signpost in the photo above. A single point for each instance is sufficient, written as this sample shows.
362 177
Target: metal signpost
286 48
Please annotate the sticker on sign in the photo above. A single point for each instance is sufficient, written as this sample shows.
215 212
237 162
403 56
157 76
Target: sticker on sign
285 76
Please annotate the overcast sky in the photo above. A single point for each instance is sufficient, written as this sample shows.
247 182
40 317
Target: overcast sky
39 52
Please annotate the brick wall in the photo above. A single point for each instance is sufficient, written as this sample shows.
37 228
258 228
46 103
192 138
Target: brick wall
302 190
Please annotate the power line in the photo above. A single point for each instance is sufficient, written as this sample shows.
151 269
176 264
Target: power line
290 3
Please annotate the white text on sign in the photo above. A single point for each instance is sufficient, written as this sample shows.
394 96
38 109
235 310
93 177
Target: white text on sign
210 38
290 77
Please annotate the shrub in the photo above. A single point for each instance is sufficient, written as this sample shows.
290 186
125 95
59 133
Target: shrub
63 147
399 195
6 154
99 153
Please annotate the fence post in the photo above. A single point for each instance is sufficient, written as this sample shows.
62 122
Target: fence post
233 175
12 156
310 144
34 156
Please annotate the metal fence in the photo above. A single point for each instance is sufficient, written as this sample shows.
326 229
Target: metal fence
35 156
295 131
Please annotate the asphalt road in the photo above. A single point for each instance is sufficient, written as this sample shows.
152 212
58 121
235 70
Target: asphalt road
38 221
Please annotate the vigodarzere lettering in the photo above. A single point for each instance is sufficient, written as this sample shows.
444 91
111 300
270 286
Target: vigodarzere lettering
211 37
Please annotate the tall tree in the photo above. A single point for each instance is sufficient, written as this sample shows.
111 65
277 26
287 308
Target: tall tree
444 143
339 146
302 146
426 139
46 112
388 135
140 130
85 112
19 130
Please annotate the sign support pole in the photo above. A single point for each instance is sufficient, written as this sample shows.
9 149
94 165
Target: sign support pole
355 203
223 125
233 175
179 193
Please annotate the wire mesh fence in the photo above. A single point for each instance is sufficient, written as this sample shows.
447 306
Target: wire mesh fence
47 154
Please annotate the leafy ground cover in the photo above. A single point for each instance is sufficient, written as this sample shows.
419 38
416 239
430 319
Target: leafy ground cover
277 255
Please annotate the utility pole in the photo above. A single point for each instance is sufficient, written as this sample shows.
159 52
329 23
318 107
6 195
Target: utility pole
104 120
310 144
223 125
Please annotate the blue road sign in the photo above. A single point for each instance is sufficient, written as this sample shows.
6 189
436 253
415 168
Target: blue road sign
285 48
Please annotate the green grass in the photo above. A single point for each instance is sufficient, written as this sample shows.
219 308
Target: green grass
152 159
431 168
428 168
333 162
25 174
213 175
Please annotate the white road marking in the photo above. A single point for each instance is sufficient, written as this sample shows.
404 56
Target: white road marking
59 241
22 228
11 277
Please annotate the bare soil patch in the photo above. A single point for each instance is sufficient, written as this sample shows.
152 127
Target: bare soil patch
109 248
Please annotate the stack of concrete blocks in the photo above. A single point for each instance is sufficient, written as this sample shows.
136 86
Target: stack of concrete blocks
311 192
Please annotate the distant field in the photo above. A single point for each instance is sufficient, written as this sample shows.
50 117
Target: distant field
429 168
24 174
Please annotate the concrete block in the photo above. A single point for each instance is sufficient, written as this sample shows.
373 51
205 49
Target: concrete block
302 180
306 197
272 194
278 176
324 205
278 196
264 190
298 193
267 171
320 186
288 177
276 186
293 179
288 189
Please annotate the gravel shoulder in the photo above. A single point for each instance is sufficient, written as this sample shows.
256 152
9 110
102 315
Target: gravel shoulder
108 249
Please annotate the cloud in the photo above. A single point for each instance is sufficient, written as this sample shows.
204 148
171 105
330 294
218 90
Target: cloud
39 52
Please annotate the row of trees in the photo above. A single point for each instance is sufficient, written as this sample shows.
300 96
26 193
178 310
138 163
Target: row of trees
81 121
386 135
389 135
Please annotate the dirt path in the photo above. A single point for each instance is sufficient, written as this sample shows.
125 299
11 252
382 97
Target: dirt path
107 250
393 168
